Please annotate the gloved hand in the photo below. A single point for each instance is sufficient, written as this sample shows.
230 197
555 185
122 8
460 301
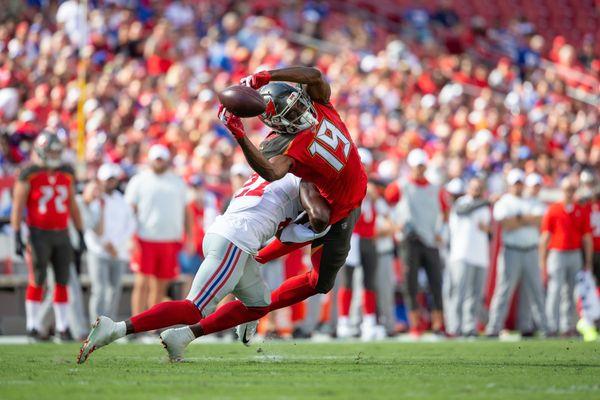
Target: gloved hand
232 122
19 245
256 81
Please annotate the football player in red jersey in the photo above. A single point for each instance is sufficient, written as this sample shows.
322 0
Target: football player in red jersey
45 189
310 140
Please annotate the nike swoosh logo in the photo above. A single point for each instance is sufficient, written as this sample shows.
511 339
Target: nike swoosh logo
245 339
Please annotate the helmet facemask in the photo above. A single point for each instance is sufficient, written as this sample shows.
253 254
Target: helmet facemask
297 113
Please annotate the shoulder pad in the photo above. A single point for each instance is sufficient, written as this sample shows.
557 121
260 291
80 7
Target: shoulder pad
67 169
275 144
28 170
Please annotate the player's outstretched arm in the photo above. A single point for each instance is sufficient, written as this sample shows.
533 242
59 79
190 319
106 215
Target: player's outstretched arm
316 86
315 205
270 170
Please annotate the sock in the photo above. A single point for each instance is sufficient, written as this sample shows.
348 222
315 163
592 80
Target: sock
61 316
369 320
276 249
232 314
343 320
229 315
345 300
61 307
369 302
33 302
32 311
166 314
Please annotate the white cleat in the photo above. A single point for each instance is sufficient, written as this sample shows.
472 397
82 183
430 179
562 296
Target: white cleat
104 331
246 331
175 341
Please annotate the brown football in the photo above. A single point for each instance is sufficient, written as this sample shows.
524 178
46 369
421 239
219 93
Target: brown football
242 101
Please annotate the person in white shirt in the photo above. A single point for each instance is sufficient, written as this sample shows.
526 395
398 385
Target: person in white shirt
518 261
159 200
110 225
469 258
533 186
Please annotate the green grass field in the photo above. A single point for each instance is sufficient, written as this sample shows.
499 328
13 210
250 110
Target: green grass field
448 370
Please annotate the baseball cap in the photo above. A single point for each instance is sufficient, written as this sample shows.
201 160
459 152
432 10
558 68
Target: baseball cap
158 151
533 179
107 171
240 169
515 176
417 157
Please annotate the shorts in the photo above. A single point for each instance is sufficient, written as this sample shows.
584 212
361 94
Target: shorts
50 247
159 259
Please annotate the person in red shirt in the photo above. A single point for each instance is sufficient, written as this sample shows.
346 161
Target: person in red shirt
565 231
591 202
46 190
310 140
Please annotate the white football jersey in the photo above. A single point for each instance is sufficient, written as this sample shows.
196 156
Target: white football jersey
256 211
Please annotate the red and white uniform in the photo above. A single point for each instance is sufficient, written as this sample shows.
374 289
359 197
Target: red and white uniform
257 210
326 156
49 194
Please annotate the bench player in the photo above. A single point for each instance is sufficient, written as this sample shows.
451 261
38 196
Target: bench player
254 216
310 140
45 189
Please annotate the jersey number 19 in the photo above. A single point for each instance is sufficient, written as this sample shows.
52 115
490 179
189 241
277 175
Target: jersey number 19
327 143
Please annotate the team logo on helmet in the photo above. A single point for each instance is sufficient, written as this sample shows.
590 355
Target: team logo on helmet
270 110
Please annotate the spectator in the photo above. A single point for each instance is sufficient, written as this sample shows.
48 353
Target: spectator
470 225
158 197
110 225
420 216
518 262
565 231
591 199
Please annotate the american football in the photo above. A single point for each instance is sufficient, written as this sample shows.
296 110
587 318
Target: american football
299 199
242 101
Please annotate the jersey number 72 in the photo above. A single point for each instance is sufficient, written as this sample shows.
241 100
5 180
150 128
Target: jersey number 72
327 144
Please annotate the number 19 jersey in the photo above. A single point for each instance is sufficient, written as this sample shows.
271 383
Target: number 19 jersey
257 210
49 195
326 156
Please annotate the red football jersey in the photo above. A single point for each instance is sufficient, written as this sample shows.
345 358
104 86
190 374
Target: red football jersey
326 156
49 194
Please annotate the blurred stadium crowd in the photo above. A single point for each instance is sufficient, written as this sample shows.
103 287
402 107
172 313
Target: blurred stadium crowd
481 97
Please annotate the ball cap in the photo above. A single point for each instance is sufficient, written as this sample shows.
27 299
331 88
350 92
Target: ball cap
515 176
417 157
158 151
108 171
533 179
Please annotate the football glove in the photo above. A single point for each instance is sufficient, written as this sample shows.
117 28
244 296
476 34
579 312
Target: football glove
256 81
232 122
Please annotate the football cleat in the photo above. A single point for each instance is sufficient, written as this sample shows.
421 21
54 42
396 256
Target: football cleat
175 341
344 329
372 332
246 331
104 331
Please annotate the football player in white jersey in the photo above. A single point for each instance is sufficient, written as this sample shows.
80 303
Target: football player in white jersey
257 212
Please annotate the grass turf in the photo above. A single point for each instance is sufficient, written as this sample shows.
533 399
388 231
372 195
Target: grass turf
448 370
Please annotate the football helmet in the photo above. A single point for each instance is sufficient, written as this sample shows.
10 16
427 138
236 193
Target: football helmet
289 109
49 148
